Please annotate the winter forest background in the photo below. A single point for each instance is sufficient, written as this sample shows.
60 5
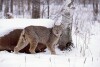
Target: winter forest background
26 8
41 8
81 19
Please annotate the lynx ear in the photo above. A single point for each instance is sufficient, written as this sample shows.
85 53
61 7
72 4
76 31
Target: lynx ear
62 25
55 24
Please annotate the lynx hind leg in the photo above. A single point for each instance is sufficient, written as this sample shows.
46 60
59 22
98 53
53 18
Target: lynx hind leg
51 48
23 42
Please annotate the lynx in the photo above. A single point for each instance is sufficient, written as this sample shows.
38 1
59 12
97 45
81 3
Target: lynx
38 34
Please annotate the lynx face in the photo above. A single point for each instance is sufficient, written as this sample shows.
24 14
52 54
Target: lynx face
57 30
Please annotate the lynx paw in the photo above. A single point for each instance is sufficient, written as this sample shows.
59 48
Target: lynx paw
15 51
53 53
32 52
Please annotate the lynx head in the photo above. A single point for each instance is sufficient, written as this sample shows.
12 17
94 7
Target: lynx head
57 30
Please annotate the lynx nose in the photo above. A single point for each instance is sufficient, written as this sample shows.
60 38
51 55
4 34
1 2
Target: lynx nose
56 32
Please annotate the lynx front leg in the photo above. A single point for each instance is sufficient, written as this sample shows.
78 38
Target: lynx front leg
33 45
51 48
21 44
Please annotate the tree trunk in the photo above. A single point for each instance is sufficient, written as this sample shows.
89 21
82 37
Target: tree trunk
29 3
84 2
48 1
66 38
19 6
95 9
35 8
22 7
89 1
6 7
1 4
11 6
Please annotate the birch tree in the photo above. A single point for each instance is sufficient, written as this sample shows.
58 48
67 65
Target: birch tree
66 37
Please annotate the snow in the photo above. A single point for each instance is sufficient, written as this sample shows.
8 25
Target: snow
86 33
45 60
86 38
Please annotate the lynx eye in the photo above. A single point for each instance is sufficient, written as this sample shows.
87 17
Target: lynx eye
56 32
23 35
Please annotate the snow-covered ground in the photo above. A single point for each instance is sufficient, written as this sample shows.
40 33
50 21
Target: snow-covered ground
46 60
86 38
